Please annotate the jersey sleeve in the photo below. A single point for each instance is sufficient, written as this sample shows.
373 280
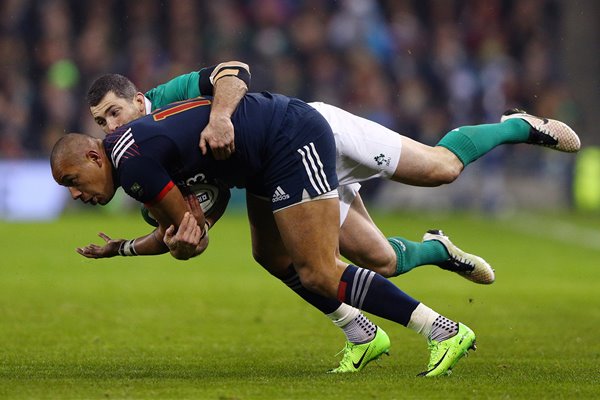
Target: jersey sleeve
197 83
183 87
144 179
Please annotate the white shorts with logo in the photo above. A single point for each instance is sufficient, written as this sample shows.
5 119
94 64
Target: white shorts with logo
364 150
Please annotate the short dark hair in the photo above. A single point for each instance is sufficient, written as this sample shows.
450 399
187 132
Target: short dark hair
118 84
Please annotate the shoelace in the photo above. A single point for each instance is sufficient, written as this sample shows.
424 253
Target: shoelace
462 260
346 358
434 349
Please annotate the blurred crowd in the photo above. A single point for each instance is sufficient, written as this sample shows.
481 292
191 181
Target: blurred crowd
420 67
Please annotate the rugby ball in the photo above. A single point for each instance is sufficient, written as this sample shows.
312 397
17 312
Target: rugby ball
206 193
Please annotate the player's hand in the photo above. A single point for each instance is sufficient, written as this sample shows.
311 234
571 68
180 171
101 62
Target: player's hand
194 207
110 248
183 244
219 136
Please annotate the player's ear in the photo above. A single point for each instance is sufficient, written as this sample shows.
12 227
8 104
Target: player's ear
140 102
94 156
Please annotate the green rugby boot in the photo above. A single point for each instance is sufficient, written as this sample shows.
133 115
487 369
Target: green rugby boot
445 354
356 356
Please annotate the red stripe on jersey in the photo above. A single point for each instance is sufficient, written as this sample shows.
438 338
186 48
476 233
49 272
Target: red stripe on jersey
162 194
341 294
159 115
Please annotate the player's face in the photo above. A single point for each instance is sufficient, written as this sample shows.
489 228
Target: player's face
87 181
113 111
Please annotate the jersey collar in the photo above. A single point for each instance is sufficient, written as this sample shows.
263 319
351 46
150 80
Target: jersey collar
148 105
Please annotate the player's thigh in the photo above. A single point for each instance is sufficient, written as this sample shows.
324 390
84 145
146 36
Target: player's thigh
267 247
310 232
423 165
363 243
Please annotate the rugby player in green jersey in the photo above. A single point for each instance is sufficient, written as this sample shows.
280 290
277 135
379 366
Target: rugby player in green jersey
360 239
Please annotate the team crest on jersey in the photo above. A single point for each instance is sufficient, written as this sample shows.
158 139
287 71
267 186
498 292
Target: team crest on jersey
381 159
137 189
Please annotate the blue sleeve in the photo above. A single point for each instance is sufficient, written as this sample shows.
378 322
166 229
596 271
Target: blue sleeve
144 179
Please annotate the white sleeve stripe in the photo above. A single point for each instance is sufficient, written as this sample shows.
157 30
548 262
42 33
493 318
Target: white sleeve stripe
321 169
311 155
308 171
122 151
122 141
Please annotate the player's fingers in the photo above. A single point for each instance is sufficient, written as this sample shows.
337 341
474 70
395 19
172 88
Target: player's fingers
104 236
169 232
202 145
184 225
85 252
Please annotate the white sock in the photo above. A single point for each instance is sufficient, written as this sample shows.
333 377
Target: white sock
422 319
356 326
432 325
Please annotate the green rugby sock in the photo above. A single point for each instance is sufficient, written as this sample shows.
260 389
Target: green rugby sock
471 142
410 255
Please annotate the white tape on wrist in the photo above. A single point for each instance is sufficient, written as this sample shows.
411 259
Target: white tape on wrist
127 248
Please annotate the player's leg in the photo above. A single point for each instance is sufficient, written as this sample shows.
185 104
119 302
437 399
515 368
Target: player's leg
469 143
368 150
309 232
423 165
364 244
268 250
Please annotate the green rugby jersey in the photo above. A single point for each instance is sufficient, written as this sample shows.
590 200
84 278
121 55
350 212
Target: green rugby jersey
183 87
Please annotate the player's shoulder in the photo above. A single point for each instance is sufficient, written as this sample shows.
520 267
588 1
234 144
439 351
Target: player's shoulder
121 145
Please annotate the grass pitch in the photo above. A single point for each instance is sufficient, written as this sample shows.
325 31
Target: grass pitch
219 327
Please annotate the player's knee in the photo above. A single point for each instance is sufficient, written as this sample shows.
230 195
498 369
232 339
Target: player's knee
448 167
313 280
447 173
275 266
384 264
380 259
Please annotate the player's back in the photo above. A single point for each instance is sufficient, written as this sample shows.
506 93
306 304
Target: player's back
171 136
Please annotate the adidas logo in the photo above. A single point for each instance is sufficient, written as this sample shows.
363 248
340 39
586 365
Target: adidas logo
280 195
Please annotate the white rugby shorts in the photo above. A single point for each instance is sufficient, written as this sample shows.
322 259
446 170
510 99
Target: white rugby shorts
364 150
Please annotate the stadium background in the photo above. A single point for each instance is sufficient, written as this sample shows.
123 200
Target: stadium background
218 327
418 67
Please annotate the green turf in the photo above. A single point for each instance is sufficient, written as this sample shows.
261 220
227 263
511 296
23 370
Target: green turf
219 327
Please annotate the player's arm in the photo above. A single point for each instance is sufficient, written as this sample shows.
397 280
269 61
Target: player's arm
154 242
230 81
202 83
185 233
146 180
227 82
151 244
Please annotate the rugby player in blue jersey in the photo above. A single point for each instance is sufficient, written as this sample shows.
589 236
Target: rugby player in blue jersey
284 149
360 240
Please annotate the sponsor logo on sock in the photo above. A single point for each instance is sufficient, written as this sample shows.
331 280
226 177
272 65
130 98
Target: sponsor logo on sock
280 195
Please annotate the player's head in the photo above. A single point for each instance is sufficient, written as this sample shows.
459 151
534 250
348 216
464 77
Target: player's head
115 101
79 162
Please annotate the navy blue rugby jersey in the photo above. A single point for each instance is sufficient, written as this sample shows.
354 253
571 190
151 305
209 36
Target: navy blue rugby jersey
155 152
